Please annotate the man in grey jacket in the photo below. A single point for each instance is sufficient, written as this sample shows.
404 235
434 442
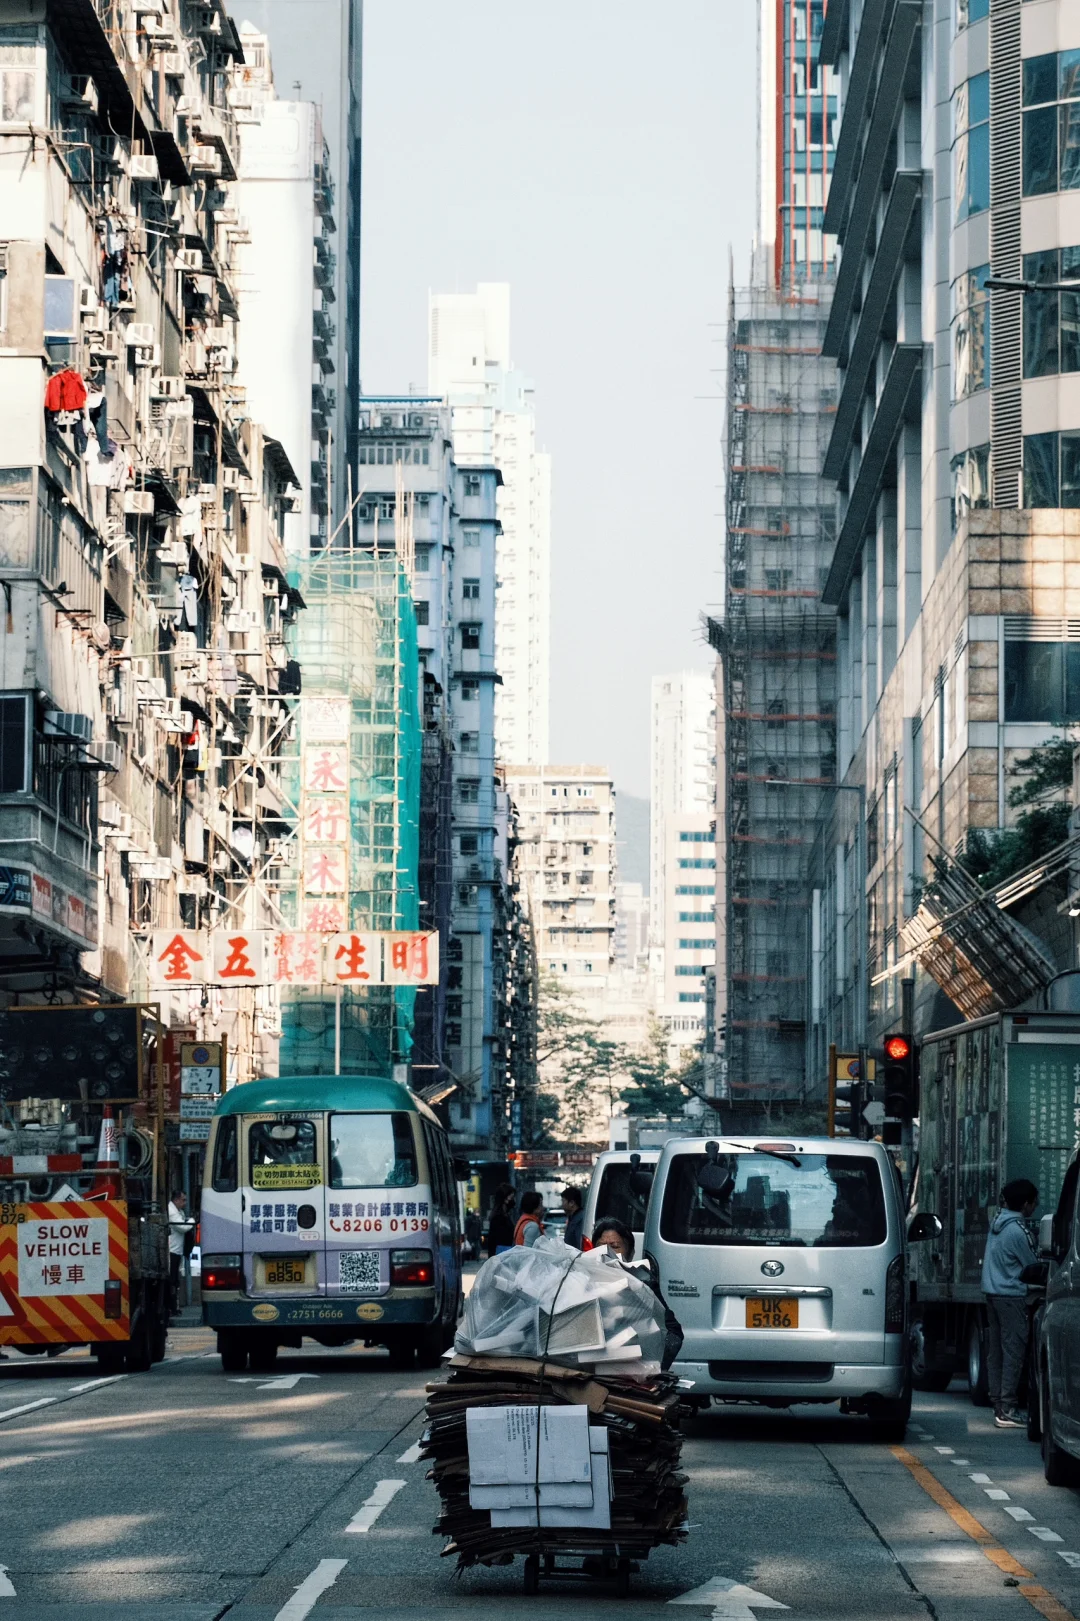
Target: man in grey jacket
1009 1250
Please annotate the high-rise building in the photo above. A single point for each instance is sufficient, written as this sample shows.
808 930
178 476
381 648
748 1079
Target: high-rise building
682 769
288 326
317 46
797 103
954 447
689 911
566 856
494 424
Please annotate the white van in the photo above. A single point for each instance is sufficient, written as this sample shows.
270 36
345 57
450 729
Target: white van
785 1264
620 1186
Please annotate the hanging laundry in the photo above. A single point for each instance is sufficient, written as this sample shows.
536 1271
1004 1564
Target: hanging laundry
189 601
115 266
98 415
65 391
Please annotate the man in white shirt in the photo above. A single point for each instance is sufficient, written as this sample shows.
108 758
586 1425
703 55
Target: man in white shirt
180 1224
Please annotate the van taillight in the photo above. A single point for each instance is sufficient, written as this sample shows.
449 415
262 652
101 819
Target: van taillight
114 1301
894 1297
222 1272
415 1267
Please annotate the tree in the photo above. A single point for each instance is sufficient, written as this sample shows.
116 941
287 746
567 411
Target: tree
582 1068
658 1087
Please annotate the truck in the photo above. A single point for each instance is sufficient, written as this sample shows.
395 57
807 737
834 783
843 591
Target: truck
84 1228
999 1099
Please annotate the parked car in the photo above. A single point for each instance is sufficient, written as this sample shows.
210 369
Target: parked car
1055 1381
620 1186
785 1264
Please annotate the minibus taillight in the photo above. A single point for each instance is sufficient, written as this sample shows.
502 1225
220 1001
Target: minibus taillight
222 1272
412 1267
894 1296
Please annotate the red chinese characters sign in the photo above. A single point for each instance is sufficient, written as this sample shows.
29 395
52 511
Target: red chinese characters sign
182 959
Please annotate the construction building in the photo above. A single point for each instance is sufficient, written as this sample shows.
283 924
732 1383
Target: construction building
148 689
776 642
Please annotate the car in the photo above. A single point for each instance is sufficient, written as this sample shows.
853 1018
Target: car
1054 1388
620 1185
785 1263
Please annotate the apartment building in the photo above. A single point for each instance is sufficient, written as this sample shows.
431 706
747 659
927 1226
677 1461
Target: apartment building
798 96
955 568
566 857
147 686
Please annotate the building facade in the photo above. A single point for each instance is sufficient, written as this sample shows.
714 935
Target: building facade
494 424
955 567
798 100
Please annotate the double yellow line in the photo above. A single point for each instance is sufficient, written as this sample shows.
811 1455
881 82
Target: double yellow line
1046 1604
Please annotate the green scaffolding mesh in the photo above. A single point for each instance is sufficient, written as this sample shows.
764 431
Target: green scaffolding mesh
357 639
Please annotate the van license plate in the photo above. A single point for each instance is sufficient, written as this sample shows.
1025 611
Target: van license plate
768 1313
282 1270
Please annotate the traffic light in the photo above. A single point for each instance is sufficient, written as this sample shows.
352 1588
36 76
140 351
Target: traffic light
848 1096
901 1078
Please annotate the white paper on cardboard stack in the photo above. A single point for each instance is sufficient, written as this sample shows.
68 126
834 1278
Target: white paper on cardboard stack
596 1516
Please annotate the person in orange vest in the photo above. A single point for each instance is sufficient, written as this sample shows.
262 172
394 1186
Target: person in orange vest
531 1221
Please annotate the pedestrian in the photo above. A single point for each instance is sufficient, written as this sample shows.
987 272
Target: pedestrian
501 1220
530 1224
472 1234
575 1218
618 1237
180 1225
1009 1250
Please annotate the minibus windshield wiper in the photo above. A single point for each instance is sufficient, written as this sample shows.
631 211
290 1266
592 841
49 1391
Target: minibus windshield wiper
773 1153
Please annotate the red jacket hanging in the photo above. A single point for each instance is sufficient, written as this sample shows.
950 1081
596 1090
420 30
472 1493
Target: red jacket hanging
65 392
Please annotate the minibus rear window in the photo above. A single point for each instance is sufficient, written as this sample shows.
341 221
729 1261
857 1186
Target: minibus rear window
616 1198
824 1201
372 1151
224 1175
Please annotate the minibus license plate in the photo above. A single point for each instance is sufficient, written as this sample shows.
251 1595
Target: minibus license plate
770 1313
284 1270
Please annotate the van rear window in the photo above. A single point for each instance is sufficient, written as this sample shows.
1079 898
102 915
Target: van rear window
372 1151
824 1201
616 1198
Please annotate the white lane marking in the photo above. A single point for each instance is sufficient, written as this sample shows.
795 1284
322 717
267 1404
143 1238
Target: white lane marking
418 1391
1044 1533
413 1454
305 1598
93 1384
365 1516
7 1587
1072 1559
284 1381
1021 1515
995 1494
961 1463
27 1407
731 1601
946 1452
981 1479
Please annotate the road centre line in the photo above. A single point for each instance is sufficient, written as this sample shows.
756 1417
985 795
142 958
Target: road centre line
1038 1597
311 1589
52 1401
1022 1515
946 1452
93 1384
981 1479
996 1494
27 1407
413 1454
366 1515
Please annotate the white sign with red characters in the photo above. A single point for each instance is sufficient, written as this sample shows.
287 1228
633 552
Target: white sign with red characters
63 1257
183 958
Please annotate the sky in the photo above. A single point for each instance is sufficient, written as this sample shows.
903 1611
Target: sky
599 155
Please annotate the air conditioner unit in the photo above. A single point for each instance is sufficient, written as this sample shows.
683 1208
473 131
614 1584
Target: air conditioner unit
204 160
151 869
241 621
106 345
217 337
110 813
88 299
168 388
172 64
144 166
175 555
109 754
187 641
415 420
140 334
230 478
139 503
148 354
61 723
78 93
242 97
159 28
189 258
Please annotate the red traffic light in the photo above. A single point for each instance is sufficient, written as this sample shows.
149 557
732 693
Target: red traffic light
897 1048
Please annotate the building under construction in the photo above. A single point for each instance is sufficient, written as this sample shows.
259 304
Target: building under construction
776 641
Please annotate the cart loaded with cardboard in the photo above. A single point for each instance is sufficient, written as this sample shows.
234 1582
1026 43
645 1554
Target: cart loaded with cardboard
556 1435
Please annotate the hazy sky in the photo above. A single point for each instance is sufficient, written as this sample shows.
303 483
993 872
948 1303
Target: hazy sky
599 156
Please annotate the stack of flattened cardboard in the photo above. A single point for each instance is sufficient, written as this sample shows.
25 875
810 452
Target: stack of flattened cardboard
529 1454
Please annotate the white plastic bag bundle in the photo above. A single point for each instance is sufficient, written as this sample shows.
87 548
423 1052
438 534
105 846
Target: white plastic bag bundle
564 1304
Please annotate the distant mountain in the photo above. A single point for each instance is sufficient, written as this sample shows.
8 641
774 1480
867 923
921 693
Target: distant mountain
632 839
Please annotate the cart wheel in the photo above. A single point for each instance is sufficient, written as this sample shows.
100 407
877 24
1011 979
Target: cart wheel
622 1579
532 1574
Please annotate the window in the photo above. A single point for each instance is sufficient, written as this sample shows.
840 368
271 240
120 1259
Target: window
467 894
423 559
13 739
971 11
696 861
707 944
275 1147
372 1151
470 691
971 146
469 790
1042 682
685 970
696 917
1051 320
1051 122
469 844
821 1201
586 792
775 710
470 590
470 537
470 742
470 638
1052 470
694 889
421 613
696 838
971 332
691 996
970 481
224 1173
472 483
